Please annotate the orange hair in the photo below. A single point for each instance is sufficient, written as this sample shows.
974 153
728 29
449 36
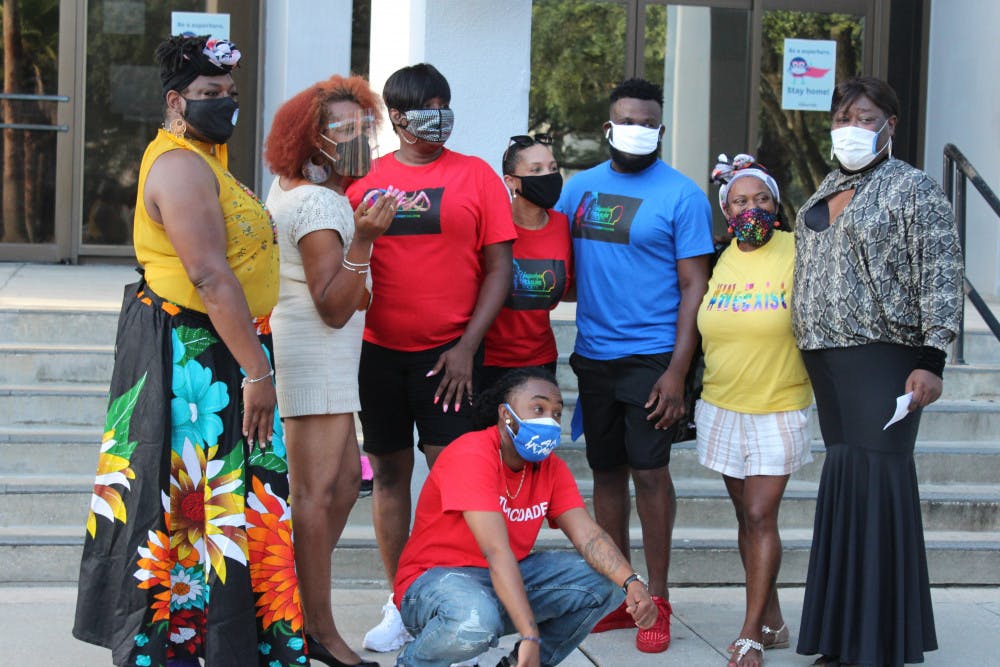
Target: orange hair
297 122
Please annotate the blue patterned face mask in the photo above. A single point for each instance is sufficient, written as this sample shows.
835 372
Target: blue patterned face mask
433 125
535 438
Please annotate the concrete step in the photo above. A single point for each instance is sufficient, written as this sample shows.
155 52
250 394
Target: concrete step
981 346
699 556
40 500
46 363
66 326
80 404
937 462
974 420
973 381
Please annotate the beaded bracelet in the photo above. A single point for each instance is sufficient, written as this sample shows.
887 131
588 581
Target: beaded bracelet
248 380
528 638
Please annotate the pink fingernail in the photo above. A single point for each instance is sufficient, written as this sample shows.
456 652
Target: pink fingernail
436 399
457 407
444 408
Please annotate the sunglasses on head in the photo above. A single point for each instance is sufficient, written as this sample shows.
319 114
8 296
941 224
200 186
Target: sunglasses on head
526 141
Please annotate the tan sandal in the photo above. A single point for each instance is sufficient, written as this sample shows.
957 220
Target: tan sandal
781 638
777 641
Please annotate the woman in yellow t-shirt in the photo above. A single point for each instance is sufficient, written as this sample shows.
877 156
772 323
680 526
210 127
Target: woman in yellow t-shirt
751 419
188 548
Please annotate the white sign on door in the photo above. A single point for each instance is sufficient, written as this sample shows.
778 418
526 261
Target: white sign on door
808 77
200 23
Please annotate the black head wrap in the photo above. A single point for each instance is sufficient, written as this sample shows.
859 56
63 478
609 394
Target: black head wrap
183 58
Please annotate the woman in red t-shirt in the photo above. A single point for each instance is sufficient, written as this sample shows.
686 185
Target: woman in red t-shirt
467 575
521 335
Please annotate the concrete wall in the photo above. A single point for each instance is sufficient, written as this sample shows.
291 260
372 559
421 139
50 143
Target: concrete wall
482 47
963 108
305 41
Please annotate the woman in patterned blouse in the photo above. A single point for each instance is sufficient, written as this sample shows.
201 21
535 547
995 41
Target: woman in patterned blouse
878 297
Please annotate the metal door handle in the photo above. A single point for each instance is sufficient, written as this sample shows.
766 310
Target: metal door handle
24 97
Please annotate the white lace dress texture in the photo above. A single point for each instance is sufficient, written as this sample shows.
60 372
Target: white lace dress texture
316 366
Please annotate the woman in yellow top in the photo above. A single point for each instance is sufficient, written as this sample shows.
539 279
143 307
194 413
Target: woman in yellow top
751 419
188 548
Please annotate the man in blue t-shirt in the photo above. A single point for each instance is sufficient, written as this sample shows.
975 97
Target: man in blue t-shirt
641 240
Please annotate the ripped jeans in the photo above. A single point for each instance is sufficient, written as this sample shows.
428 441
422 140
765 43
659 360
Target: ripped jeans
454 613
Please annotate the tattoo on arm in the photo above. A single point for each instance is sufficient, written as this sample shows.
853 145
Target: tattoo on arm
601 553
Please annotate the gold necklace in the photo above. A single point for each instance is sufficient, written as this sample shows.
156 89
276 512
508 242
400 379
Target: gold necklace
506 488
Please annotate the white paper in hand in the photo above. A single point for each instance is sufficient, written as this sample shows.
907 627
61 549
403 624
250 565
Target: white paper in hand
902 409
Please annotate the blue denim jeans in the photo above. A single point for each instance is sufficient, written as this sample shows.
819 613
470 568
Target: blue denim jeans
454 613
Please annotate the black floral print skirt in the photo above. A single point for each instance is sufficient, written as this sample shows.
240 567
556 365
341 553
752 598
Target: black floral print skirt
188 549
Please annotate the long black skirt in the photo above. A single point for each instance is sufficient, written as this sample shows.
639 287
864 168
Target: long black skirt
867 597
188 550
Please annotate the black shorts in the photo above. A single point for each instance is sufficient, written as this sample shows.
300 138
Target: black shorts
490 375
613 394
396 394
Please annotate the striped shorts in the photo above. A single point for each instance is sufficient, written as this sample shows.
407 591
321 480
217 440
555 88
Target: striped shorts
740 445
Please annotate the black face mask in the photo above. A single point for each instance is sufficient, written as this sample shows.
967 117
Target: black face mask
213 118
630 163
541 190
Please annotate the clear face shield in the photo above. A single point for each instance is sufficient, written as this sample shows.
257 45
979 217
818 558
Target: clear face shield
353 143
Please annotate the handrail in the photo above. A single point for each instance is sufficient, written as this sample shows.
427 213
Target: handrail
958 171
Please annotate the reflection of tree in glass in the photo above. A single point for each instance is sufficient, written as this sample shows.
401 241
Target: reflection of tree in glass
794 145
577 57
30 65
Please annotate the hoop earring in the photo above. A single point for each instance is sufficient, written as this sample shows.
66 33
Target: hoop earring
315 173
177 127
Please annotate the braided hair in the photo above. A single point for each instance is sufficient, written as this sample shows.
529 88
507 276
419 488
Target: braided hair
484 409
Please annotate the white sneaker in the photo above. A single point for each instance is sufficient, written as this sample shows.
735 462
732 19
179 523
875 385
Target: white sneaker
471 662
390 634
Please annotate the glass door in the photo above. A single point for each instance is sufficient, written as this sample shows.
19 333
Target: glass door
36 108
804 48
124 106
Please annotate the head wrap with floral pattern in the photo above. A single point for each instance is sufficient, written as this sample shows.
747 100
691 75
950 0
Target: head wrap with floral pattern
183 58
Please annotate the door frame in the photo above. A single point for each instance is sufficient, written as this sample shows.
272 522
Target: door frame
874 61
68 86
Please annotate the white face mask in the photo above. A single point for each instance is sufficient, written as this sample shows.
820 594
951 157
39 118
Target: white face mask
633 139
856 147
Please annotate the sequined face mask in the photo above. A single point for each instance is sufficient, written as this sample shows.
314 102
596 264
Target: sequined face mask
433 125
754 226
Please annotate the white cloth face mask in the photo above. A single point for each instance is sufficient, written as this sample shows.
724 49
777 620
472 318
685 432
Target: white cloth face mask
633 139
856 147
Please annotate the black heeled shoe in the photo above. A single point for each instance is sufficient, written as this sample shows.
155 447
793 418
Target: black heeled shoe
320 653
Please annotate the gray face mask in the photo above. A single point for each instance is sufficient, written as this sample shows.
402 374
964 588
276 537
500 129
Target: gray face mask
433 125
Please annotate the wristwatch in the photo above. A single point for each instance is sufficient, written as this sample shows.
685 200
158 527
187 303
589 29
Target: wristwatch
635 576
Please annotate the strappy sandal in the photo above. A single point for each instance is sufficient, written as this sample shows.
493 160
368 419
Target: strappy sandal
742 646
776 641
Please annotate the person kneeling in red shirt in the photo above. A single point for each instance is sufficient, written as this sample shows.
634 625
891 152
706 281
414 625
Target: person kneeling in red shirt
467 575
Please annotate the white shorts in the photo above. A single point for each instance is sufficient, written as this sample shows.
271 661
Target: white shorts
740 445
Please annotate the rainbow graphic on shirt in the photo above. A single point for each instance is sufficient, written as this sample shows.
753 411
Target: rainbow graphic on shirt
538 284
749 297
605 217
